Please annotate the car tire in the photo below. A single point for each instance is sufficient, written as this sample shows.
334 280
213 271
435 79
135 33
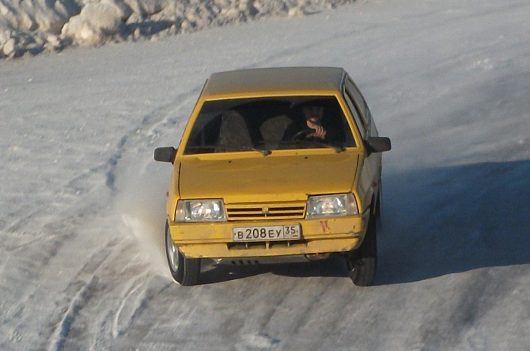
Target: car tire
362 262
185 271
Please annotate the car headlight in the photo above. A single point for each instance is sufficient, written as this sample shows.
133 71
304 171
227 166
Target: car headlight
331 205
200 211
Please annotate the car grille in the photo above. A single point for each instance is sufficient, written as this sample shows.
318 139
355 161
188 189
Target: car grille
266 244
248 212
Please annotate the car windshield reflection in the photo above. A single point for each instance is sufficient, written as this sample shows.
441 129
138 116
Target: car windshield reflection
268 124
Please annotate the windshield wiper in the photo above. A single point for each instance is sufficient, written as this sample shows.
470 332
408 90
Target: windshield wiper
337 147
216 147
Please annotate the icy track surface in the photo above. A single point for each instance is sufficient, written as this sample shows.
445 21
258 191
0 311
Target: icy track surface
81 201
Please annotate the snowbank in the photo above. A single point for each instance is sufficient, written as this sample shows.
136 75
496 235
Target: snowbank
33 26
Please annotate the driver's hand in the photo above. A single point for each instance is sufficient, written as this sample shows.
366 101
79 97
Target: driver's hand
319 132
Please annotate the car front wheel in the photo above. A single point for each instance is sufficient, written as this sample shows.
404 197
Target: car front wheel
362 262
184 271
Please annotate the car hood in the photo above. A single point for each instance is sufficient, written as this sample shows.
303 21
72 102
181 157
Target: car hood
267 178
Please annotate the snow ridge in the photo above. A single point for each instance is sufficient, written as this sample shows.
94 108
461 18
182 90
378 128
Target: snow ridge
34 26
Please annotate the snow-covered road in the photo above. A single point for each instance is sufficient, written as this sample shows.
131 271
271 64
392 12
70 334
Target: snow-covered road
81 201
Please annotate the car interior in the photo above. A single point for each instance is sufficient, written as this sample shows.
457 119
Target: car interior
265 123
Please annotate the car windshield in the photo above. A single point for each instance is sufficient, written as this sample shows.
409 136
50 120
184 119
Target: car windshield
268 124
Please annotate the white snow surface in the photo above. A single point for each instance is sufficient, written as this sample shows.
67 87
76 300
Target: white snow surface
82 202
29 27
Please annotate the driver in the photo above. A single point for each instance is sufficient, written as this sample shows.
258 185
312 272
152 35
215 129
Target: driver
312 125
313 119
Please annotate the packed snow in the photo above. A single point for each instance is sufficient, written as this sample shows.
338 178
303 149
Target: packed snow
33 26
82 201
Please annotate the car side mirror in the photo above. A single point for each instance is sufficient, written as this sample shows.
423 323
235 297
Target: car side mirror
378 144
165 154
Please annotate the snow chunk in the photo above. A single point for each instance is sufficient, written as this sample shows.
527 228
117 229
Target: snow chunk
94 24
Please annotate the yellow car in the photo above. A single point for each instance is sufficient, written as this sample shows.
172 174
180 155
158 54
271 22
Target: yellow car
275 165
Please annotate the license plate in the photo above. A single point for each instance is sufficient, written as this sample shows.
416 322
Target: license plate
267 233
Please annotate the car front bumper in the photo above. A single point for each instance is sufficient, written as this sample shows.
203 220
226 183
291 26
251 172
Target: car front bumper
323 235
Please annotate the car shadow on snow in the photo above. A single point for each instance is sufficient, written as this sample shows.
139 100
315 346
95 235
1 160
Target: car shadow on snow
448 220
435 222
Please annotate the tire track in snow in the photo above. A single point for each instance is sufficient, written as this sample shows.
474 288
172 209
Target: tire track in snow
117 328
81 291
93 299
149 128
80 299
462 312
29 265
133 304
33 267
21 217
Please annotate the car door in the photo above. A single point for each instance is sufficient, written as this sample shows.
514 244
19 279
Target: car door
371 163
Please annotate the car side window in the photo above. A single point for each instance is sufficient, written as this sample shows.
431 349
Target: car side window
355 113
357 98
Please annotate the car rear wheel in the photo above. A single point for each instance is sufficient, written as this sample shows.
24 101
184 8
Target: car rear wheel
362 262
185 271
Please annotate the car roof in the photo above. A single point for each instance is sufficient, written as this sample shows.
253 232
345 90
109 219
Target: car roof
274 81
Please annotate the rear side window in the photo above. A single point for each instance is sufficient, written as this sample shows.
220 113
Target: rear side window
273 123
